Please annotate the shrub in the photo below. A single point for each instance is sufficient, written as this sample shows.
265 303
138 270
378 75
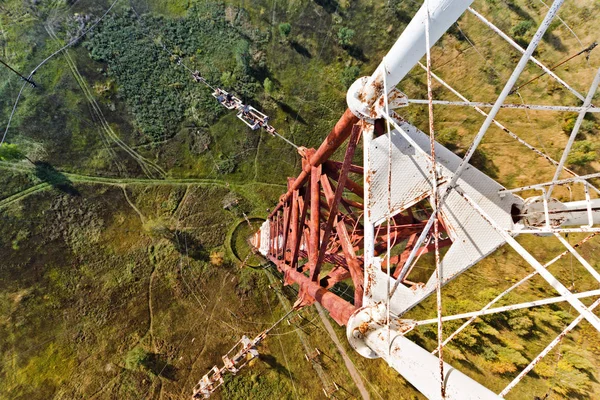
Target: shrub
544 370
136 358
508 360
268 85
570 382
582 152
201 140
588 125
217 258
158 229
226 166
345 36
449 138
522 28
349 75
285 29
520 324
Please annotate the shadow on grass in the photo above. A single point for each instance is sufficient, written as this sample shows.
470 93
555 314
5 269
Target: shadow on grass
47 173
159 367
273 363
189 246
300 49
356 52
548 37
291 111
330 6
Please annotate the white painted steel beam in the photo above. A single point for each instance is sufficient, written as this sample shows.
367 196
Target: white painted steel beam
576 179
535 107
586 104
544 273
405 53
512 307
369 335
422 369
537 37
501 126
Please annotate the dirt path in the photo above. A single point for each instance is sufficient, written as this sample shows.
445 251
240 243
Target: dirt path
142 218
349 364
28 168
22 194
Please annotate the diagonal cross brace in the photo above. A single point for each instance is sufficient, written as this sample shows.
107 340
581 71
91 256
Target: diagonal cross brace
543 272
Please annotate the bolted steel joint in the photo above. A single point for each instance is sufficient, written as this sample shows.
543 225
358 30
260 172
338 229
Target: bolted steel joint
366 99
372 321
359 325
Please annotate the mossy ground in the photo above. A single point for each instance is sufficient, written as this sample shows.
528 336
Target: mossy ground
92 271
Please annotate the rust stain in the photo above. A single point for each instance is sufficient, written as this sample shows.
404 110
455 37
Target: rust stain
364 328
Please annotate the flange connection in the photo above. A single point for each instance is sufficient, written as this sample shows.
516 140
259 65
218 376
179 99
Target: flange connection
534 214
372 321
365 98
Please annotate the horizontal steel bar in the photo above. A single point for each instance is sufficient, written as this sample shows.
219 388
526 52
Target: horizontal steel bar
575 179
511 307
531 260
515 106
545 230
513 287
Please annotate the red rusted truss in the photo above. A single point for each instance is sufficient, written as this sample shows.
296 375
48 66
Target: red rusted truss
316 231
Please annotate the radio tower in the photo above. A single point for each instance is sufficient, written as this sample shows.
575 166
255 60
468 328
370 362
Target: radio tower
368 225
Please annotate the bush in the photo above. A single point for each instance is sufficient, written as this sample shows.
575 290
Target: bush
268 85
285 29
520 324
582 153
10 152
349 75
201 140
226 166
508 360
217 258
449 138
570 382
588 125
522 28
136 358
345 36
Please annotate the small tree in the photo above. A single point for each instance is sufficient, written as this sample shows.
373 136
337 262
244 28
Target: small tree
268 85
136 358
228 79
159 229
345 36
284 30
217 258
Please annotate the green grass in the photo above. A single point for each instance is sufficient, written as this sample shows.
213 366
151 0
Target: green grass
83 283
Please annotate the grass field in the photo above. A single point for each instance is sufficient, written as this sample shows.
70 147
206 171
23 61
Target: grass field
120 274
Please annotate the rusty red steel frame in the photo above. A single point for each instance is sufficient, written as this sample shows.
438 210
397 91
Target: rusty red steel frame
316 232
